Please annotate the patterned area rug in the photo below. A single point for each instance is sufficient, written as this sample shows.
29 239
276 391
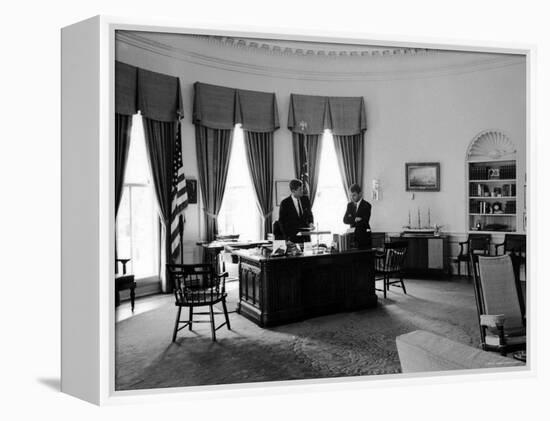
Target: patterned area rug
345 344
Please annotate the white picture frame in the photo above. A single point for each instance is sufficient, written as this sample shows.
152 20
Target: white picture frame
88 325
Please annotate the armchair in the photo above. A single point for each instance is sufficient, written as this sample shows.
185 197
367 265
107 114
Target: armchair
198 285
499 303
477 244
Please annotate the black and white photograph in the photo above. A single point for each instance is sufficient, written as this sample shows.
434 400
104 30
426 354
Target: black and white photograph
289 210
304 255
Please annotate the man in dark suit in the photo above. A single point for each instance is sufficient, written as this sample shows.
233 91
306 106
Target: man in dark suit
295 214
357 216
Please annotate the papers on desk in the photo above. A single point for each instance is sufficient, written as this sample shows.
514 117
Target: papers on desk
279 248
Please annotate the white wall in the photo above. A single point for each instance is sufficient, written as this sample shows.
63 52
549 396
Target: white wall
411 117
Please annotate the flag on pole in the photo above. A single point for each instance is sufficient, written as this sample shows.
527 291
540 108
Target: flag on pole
179 202
304 170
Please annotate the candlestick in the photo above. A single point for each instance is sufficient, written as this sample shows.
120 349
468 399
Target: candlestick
419 226
429 221
409 218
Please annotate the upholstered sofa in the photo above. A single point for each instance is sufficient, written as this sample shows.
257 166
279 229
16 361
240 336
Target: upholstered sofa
422 351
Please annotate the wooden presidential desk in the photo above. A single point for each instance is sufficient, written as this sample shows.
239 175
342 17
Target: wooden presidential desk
277 290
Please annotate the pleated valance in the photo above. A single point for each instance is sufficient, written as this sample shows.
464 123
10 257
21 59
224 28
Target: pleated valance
347 115
125 89
157 96
219 107
309 114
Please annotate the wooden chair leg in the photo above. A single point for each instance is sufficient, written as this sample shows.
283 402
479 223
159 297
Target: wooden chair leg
191 318
459 264
385 287
176 325
403 285
133 297
468 266
212 323
226 314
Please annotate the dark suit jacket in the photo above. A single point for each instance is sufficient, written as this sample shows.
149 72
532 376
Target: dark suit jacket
289 221
362 236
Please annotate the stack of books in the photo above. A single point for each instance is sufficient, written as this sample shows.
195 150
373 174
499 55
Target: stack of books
343 242
478 173
508 171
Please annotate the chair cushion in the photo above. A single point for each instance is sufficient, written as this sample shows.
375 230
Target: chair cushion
125 281
494 340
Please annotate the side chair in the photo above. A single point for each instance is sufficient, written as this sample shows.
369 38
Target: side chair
198 285
477 244
389 265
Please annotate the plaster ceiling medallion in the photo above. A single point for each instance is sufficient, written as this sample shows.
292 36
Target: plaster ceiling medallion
303 48
491 144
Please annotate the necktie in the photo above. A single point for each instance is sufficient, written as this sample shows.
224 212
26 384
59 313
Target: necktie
300 212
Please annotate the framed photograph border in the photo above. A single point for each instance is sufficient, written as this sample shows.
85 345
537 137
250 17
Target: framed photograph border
88 372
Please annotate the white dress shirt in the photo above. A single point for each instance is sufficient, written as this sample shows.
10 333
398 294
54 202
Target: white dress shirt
297 205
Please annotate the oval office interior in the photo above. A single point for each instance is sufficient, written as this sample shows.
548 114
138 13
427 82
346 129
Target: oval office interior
337 190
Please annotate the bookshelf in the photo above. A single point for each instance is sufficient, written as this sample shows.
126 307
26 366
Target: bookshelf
492 184
492 193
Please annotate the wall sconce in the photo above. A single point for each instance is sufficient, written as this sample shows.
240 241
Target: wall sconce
376 189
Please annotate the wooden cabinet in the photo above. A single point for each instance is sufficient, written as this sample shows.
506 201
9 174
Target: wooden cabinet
426 255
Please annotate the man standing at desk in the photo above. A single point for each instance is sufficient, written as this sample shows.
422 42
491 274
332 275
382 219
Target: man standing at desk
295 214
357 216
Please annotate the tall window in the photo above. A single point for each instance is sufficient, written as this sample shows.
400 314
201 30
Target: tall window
137 219
239 213
330 200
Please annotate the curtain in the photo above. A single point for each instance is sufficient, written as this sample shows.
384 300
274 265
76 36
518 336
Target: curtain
216 111
123 128
311 143
259 154
345 117
213 151
160 138
158 97
350 155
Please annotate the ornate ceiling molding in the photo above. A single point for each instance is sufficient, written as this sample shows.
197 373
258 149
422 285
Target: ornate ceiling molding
373 66
309 49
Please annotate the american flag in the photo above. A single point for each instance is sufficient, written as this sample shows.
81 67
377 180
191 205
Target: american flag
179 202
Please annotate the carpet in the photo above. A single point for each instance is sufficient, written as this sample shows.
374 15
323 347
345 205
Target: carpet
344 344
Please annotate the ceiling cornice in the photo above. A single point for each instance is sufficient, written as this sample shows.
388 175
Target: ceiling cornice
137 40
281 48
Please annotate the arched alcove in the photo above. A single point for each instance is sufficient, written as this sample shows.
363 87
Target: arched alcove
491 145
492 183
